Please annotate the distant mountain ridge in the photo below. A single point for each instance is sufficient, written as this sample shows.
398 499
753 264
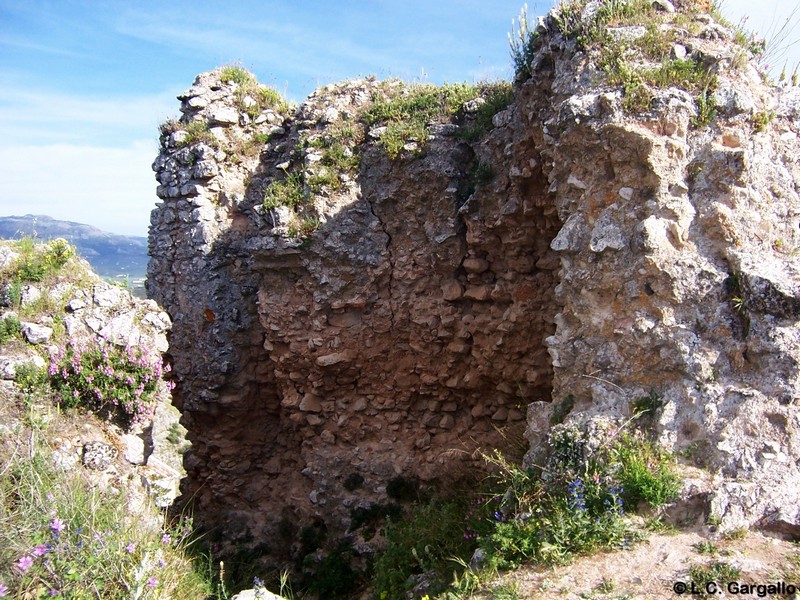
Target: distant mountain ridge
110 255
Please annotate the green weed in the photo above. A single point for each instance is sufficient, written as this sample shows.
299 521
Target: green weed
9 328
252 98
645 471
408 112
506 591
761 119
424 541
285 192
705 547
716 572
304 227
30 378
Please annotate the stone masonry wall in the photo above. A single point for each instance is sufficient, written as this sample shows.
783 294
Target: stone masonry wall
610 257
318 376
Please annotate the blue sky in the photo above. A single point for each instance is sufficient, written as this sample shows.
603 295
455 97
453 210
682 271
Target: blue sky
84 84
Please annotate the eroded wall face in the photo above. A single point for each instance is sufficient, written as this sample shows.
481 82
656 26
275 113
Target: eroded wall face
323 378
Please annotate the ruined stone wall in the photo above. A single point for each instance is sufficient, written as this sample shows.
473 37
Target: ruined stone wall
326 375
611 257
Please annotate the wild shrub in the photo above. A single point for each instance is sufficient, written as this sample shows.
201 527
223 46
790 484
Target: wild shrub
425 541
578 502
407 112
261 97
106 379
30 378
288 191
522 42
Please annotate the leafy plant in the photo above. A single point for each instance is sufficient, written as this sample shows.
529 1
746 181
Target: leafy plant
410 109
549 523
645 471
304 227
424 541
716 572
761 119
706 107
497 96
647 405
259 97
9 328
705 547
235 74
30 378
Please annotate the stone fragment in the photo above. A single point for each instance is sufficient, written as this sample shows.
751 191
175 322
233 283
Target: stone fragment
36 334
476 265
472 106
257 594
197 102
451 290
572 236
310 403
678 52
30 294
328 360
770 286
75 305
447 422
731 140
97 455
607 234
664 5
481 293
501 414
223 115
106 296
134 450
626 193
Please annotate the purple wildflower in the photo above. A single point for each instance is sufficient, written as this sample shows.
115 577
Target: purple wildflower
57 525
24 563
130 548
152 581
3 590
41 550
166 538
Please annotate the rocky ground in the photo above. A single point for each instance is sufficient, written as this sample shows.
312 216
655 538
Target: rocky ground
658 566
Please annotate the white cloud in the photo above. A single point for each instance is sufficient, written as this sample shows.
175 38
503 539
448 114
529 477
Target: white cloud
110 188
30 116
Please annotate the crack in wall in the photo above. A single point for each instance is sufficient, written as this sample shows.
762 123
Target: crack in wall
391 259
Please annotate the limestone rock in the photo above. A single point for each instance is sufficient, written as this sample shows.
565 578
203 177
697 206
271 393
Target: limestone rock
97 455
36 334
